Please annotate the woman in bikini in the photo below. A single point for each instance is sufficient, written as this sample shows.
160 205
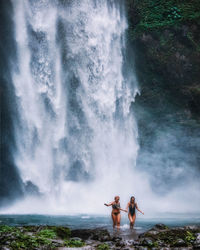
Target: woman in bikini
116 217
131 206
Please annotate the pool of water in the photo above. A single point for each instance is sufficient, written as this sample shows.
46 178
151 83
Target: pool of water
93 221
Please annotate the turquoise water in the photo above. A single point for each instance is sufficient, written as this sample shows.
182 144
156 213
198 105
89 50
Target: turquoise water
91 221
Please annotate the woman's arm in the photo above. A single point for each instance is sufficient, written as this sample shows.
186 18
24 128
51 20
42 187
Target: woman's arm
109 204
138 209
124 210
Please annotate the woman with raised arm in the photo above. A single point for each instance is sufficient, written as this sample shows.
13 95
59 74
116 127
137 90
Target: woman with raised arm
131 206
115 214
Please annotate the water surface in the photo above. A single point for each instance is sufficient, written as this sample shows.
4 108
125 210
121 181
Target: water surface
93 221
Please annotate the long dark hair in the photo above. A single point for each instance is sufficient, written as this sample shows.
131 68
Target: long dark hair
132 197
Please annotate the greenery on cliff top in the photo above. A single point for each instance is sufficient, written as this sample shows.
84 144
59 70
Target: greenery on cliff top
151 14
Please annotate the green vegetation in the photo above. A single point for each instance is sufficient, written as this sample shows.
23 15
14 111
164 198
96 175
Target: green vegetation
103 247
153 14
23 241
62 232
190 237
74 243
47 234
32 237
7 229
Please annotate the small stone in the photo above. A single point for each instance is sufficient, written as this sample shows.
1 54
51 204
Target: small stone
160 243
143 248
29 233
180 243
116 239
147 242
192 227
196 247
76 238
153 232
109 243
130 242
120 244
58 242
105 238
197 238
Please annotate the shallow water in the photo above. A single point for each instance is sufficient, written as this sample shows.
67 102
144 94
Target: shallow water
91 221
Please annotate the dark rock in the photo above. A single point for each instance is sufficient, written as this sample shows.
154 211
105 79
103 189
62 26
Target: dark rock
63 232
147 242
196 246
160 227
94 234
170 238
82 233
106 238
57 243
120 244
180 243
175 229
115 238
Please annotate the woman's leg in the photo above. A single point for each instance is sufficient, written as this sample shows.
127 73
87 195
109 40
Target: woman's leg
131 220
114 219
118 220
134 217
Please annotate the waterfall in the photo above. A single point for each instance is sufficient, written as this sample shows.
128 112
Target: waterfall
76 135
70 140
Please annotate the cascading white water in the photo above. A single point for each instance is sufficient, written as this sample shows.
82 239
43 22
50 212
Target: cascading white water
76 134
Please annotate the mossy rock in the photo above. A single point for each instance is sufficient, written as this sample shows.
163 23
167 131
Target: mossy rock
74 243
47 234
103 247
63 232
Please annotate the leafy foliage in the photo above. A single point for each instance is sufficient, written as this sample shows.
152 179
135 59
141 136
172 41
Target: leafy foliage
47 234
190 237
7 229
153 14
103 247
35 237
74 243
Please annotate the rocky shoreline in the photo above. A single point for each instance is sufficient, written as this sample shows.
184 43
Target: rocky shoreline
62 238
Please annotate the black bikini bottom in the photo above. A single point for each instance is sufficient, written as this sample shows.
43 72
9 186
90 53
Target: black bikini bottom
116 213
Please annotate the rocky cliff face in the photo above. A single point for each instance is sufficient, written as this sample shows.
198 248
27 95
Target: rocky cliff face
165 37
168 67
167 53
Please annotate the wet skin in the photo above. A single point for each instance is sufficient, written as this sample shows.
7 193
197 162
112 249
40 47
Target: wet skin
115 214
